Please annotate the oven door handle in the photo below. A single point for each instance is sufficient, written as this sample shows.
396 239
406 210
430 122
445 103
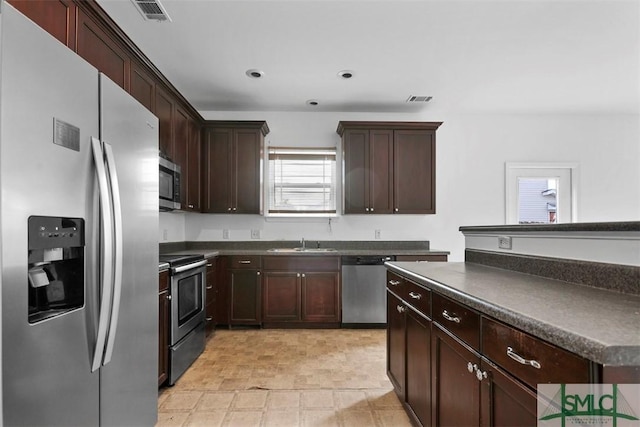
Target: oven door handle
183 268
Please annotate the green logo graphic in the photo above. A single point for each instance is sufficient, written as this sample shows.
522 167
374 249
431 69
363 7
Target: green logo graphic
585 404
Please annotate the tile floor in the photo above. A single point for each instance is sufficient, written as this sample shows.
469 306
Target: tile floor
286 378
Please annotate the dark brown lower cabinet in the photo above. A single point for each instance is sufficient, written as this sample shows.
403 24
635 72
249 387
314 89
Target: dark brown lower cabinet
396 343
455 387
245 298
418 366
163 327
281 296
504 400
210 300
321 297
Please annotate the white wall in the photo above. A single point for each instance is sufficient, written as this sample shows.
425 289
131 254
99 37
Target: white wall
471 153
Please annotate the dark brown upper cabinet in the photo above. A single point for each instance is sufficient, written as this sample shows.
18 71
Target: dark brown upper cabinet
194 169
57 17
165 112
389 167
142 86
232 164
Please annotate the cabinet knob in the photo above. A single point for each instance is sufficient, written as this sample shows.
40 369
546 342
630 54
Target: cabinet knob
371 209
480 375
401 309
303 275
470 367
234 209
190 206
168 297
297 274
229 209
395 210
257 273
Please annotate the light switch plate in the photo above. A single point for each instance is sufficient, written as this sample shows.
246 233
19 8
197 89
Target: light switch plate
504 242
255 234
225 234
377 234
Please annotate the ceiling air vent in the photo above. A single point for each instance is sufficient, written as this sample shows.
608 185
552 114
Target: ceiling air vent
419 98
152 10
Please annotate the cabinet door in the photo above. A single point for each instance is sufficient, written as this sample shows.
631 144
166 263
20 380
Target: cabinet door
356 171
247 161
57 17
222 287
414 172
217 170
321 296
194 168
142 86
281 296
164 111
506 401
396 343
245 297
163 336
455 387
418 350
180 141
380 171
98 49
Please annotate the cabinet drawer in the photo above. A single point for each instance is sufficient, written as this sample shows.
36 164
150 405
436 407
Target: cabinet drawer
163 281
461 321
301 263
418 297
530 359
250 262
397 285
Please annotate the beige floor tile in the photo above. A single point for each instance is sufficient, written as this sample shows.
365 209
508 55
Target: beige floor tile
243 419
383 399
351 400
283 400
252 399
206 419
393 418
172 419
215 400
233 384
181 400
318 399
289 418
319 418
357 418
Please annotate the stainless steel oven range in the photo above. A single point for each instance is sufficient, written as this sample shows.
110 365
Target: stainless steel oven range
187 294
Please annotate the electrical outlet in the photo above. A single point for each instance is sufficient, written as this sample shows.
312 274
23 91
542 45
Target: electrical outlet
504 242
225 234
255 234
377 234
164 234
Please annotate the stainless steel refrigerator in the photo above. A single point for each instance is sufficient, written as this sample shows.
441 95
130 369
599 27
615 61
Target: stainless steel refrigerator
78 247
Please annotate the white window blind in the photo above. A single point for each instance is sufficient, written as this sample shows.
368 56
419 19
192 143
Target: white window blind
302 180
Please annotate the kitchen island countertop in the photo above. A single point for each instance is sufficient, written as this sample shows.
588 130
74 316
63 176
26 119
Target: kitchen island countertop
599 325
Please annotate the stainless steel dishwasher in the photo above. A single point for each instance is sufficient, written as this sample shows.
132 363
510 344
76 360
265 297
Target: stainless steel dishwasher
364 297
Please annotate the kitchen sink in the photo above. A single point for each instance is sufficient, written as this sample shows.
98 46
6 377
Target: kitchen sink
301 250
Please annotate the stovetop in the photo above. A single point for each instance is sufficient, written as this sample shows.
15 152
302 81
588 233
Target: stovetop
176 260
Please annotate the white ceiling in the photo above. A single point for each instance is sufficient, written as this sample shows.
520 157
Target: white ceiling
525 56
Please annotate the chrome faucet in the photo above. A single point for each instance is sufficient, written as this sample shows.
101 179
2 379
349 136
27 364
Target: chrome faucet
303 244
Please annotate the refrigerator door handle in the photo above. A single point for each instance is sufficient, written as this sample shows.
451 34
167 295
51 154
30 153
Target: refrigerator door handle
117 251
106 272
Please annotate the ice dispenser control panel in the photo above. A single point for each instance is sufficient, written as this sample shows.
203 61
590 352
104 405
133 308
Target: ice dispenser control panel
55 276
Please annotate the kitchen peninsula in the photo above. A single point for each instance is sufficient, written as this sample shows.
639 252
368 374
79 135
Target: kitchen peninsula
501 323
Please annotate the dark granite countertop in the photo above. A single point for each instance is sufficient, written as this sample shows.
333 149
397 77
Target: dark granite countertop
384 248
600 325
567 227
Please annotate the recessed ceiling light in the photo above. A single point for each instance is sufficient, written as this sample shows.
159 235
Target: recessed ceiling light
345 74
313 102
254 74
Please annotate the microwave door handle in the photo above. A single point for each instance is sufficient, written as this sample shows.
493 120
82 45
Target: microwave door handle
106 250
117 251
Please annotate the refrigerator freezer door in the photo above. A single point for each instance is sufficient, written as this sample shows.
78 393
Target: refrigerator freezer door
129 380
46 372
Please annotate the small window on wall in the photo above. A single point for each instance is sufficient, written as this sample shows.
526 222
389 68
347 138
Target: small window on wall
540 193
302 181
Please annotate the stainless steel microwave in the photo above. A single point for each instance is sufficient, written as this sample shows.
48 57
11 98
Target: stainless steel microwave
169 185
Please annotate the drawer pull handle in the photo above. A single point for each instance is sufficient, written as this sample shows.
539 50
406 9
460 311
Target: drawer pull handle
415 295
394 282
209 265
244 262
515 356
209 319
209 287
401 309
449 317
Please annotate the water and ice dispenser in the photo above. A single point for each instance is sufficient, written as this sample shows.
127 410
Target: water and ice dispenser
56 266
